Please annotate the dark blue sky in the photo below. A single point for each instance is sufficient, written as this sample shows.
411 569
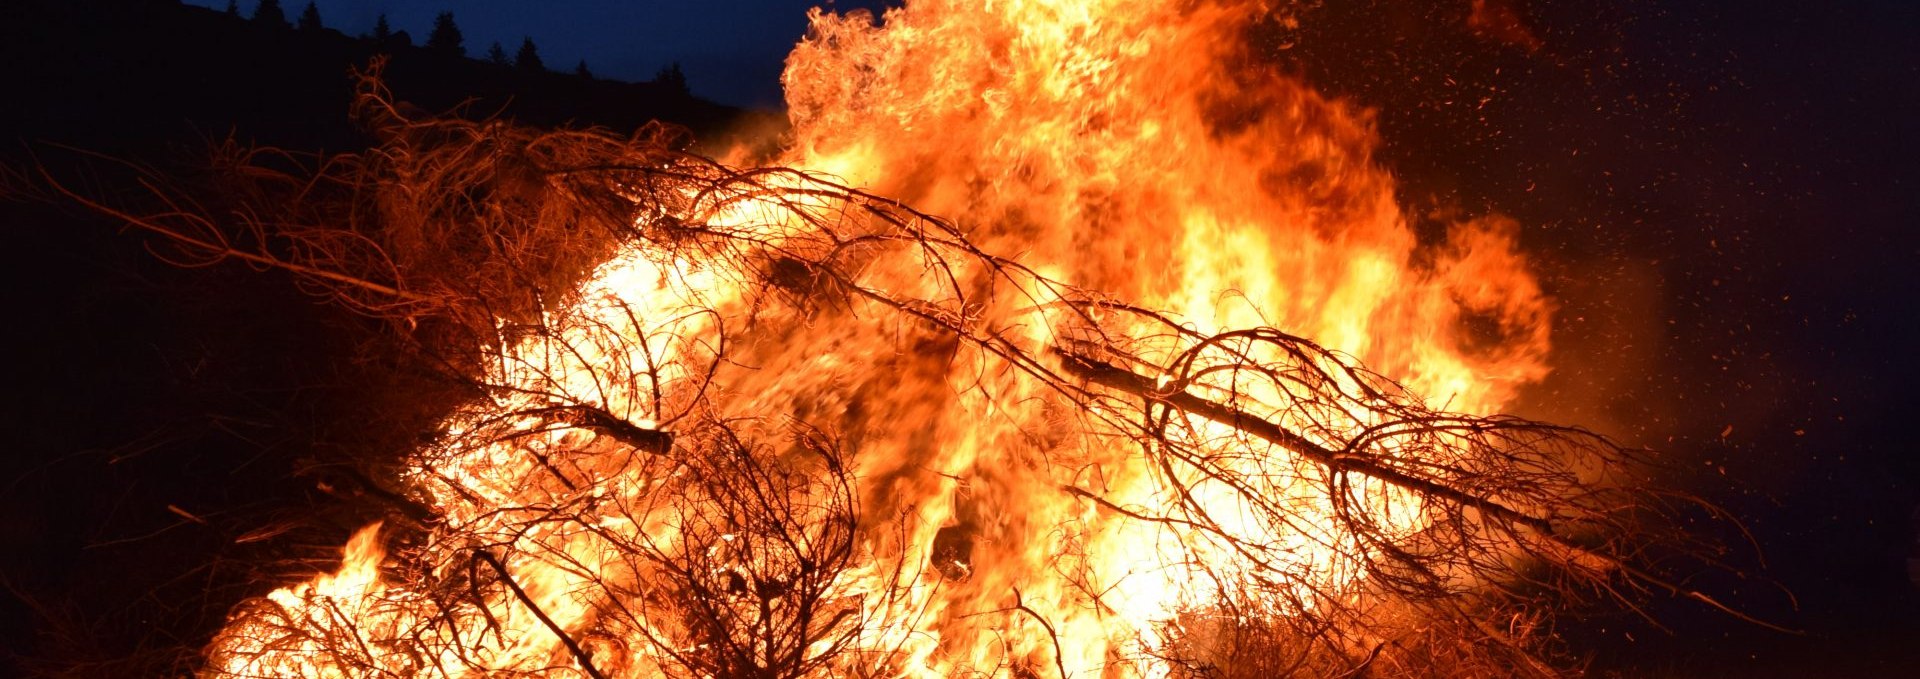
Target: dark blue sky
731 50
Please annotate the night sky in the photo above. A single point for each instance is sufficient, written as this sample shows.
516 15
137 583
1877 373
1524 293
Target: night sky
1724 199
731 50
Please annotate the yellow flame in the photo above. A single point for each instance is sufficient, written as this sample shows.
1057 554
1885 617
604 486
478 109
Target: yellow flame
1130 147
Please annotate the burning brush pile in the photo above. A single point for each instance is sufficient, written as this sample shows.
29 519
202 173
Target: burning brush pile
1038 352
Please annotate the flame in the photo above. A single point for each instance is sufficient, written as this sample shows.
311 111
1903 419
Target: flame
1133 148
1141 150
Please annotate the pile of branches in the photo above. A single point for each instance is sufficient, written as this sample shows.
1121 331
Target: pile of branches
479 242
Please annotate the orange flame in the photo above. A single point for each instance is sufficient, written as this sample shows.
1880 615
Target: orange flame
1128 147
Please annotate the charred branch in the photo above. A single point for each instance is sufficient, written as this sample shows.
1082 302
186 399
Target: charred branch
606 424
579 654
1112 377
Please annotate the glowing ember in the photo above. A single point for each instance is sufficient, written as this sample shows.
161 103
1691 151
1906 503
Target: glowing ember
792 429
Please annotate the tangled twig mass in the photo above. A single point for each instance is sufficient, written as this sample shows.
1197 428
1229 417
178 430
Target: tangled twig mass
651 479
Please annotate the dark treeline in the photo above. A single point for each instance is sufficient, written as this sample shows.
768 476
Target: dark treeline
112 71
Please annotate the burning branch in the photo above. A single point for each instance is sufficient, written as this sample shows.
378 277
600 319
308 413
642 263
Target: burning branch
579 655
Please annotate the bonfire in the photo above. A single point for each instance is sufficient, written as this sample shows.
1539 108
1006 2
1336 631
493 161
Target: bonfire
1058 340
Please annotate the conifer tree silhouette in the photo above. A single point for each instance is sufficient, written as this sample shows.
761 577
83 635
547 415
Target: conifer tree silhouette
446 37
672 78
529 57
269 14
310 19
382 33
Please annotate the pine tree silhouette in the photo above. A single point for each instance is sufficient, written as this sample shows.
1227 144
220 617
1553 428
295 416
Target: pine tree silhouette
382 32
497 55
672 78
233 8
582 71
529 57
310 19
269 14
446 36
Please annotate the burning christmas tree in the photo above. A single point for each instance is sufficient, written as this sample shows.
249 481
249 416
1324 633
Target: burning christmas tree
1037 350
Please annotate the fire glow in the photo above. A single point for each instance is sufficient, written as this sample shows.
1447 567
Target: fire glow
792 428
